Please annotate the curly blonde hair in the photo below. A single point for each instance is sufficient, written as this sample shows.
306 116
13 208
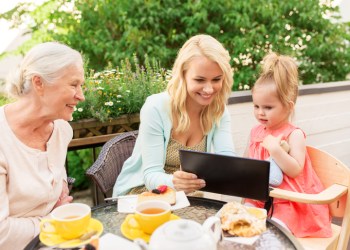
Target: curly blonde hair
197 46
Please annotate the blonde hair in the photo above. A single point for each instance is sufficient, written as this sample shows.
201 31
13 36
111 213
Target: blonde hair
46 60
283 71
197 46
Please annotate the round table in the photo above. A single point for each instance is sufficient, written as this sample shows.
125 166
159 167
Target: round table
274 238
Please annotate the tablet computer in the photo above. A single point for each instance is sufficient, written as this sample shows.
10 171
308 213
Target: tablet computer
229 175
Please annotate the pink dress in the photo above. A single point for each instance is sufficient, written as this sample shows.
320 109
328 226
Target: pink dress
304 220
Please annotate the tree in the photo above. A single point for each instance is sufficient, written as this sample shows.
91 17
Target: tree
108 31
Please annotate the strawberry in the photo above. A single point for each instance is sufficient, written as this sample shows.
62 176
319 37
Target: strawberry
162 188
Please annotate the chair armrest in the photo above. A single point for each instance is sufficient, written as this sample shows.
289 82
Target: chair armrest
327 196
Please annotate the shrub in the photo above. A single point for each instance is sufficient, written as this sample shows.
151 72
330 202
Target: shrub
108 31
78 162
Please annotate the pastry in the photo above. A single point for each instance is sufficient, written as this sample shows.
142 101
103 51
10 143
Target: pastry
162 192
239 220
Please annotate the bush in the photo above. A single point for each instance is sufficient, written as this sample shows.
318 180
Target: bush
108 31
78 162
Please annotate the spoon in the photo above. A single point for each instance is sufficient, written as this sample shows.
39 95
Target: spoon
86 236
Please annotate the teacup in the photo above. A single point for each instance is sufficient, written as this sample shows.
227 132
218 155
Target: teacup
152 214
69 221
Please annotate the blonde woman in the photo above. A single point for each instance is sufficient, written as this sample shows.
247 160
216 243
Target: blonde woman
34 138
191 114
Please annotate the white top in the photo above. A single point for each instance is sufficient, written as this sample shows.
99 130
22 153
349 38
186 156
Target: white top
30 182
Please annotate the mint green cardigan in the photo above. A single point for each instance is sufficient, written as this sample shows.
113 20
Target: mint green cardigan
146 164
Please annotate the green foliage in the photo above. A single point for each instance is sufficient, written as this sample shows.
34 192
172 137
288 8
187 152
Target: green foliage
4 99
123 90
78 162
108 31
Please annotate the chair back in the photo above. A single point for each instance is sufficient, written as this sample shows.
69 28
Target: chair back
106 168
330 170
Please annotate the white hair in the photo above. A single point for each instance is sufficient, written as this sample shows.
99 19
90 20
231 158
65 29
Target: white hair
46 60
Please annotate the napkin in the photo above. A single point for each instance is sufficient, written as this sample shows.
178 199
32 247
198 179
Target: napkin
112 242
128 204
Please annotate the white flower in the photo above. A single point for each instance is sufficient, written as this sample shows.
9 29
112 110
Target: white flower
287 27
109 103
308 38
80 109
286 38
119 96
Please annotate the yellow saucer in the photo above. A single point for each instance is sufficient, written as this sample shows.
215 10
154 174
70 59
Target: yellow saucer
130 228
52 239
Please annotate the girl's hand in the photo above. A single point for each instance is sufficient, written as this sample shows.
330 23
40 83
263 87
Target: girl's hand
272 143
64 198
187 182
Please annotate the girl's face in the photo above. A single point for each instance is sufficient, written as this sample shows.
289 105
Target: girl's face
268 109
204 79
62 96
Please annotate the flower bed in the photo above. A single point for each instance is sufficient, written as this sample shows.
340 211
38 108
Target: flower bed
112 93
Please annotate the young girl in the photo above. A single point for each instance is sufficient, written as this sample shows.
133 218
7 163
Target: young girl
274 96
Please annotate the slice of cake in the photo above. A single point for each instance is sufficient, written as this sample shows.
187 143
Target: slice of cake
162 192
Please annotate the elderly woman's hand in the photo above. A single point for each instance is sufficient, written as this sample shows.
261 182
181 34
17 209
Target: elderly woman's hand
64 198
187 182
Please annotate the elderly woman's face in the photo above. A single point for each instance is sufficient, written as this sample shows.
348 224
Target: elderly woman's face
63 95
204 79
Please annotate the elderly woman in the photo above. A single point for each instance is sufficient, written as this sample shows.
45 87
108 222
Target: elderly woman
34 138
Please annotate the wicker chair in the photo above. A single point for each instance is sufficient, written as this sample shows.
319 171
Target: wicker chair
70 181
109 163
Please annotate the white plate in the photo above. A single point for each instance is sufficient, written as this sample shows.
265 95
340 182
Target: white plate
128 204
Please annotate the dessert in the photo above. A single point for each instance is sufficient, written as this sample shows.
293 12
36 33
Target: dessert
162 192
239 220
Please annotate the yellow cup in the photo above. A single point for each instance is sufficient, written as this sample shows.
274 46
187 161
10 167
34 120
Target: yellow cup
69 221
152 214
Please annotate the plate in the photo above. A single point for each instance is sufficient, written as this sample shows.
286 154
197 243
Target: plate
52 239
130 228
127 204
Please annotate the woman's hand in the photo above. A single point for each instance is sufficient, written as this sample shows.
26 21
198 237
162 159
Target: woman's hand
187 182
64 198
